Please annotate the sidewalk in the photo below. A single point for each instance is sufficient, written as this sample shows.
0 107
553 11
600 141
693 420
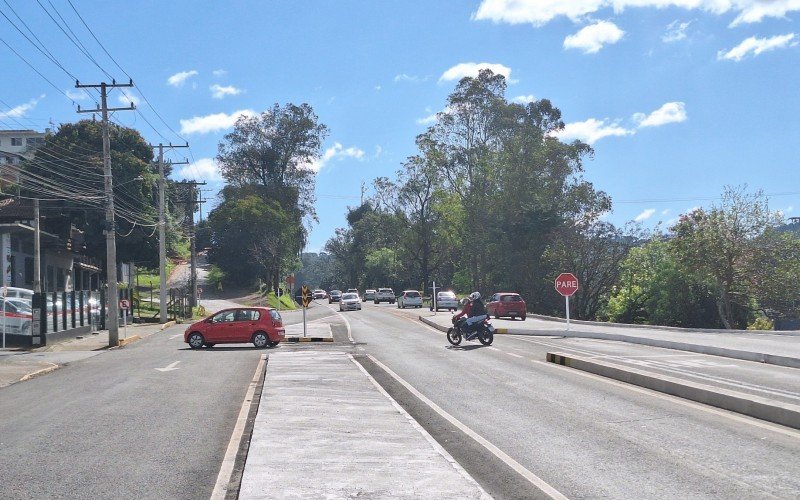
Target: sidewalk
764 347
20 364
324 429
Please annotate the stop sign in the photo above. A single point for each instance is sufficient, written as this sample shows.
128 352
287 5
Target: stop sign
566 284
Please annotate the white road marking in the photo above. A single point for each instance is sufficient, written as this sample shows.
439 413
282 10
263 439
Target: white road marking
538 482
493 349
515 355
226 469
176 336
169 367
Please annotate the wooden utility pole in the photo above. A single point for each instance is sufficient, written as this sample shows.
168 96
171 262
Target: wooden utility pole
110 229
162 231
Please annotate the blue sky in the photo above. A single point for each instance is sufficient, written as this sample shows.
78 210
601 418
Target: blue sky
678 97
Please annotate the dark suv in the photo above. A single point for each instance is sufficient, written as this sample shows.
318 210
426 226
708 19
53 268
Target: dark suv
334 296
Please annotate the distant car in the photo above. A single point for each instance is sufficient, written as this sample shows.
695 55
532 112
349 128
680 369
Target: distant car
369 294
319 294
506 304
353 290
384 295
350 302
446 300
13 292
409 298
16 315
263 326
334 296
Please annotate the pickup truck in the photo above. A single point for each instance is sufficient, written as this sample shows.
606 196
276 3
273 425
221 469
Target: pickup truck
384 295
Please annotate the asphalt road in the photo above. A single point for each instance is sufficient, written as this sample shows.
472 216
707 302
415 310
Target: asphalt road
583 435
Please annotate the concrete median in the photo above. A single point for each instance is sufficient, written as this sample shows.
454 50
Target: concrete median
746 404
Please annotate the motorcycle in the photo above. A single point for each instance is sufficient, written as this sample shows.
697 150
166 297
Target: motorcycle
483 332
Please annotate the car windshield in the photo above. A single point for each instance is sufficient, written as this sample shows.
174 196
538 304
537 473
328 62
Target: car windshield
446 295
412 295
511 298
336 292
386 290
349 296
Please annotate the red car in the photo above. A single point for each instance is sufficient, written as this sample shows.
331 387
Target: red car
262 326
506 304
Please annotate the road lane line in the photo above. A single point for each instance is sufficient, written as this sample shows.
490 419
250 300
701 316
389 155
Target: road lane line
435 444
535 480
176 336
515 355
226 469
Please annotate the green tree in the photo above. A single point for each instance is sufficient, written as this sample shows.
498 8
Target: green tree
65 164
725 247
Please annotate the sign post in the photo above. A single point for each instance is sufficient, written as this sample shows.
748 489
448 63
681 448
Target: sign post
433 299
199 293
567 285
124 305
306 296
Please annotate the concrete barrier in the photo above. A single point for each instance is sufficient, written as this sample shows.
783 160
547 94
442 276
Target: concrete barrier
745 404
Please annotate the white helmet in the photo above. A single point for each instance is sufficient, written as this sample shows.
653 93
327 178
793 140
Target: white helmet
474 296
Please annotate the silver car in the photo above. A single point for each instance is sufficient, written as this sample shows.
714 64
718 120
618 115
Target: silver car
350 302
446 300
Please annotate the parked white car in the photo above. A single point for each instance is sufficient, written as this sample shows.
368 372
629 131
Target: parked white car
15 316
446 300
409 298
350 302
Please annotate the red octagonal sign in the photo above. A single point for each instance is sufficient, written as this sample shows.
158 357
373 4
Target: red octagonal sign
566 284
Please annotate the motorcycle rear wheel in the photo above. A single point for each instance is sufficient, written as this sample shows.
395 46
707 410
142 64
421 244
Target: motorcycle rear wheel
486 337
453 336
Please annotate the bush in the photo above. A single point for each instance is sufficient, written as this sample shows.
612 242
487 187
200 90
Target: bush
215 277
761 323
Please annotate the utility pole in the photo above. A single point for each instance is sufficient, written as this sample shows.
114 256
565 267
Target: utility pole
111 244
37 249
191 201
162 233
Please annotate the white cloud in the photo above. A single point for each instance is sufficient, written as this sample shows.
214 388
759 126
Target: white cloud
204 168
471 69
671 112
755 46
665 211
590 39
20 110
540 12
676 31
646 214
591 131
337 151
76 95
428 120
523 99
219 92
219 72
213 122
178 79
409 78
126 99
378 88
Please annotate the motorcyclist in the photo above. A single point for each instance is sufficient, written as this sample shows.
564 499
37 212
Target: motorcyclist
474 311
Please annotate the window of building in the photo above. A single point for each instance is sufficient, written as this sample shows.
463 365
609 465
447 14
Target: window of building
35 141
16 141
60 284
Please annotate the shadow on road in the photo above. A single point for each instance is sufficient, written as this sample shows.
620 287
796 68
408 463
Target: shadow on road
465 347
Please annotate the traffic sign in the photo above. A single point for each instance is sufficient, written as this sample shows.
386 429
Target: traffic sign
566 284
290 280
124 304
199 290
305 293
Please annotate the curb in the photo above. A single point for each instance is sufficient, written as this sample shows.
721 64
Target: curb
293 340
168 324
758 357
444 328
745 404
129 340
39 372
